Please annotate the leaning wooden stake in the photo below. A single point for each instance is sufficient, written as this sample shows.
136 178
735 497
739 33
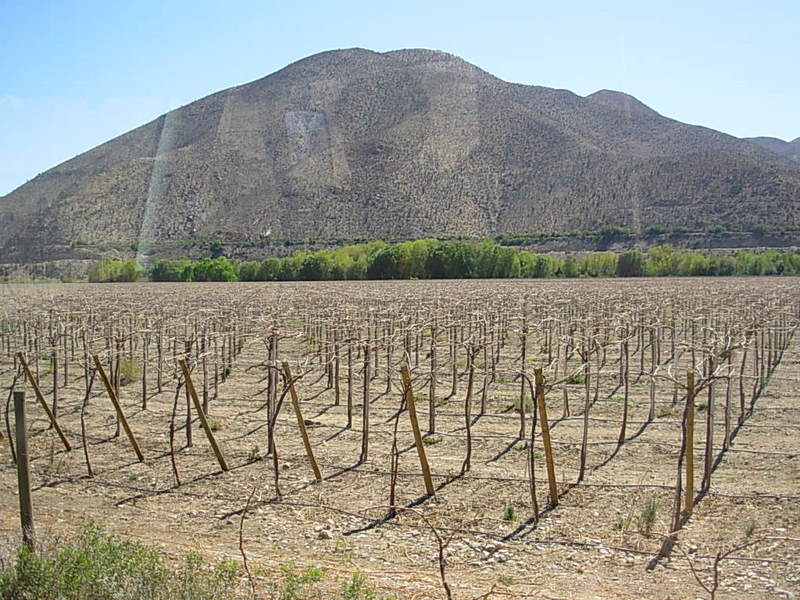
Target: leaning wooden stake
548 449
203 420
120 415
689 500
23 470
301 423
38 393
412 413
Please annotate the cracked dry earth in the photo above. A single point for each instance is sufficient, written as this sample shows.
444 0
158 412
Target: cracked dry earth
595 544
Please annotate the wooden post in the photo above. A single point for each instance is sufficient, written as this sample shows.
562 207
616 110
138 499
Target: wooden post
531 461
120 415
548 449
432 388
205 373
412 413
54 366
38 393
336 362
301 423
467 464
203 421
728 385
689 500
524 343
365 408
145 344
586 405
23 470
349 383
623 359
188 427
708 458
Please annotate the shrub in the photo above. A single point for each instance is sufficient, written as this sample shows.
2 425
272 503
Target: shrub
528 404
216 249
295 584
621 524
357 588
654 230
648 515
254 454
128 371
98 566
510 513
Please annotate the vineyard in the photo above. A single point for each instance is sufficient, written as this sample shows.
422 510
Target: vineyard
462 439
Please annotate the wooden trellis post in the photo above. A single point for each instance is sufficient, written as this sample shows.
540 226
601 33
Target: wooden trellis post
301 423
38 393
412 413
689 499
548 449
23 470
203 420
708 458
120 415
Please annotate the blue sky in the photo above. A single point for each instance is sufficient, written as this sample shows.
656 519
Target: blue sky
75 74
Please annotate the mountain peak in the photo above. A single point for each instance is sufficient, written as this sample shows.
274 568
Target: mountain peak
620 100
790 150
421 55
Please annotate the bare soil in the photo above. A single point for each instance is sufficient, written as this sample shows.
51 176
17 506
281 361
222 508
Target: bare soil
597 543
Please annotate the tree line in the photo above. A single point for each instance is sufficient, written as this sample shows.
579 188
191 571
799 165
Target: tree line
436 259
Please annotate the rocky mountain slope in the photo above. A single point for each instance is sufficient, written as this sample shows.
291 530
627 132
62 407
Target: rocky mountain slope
354 144
778 146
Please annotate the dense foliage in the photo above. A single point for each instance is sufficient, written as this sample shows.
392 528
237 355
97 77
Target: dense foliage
111 271
205 269
435 259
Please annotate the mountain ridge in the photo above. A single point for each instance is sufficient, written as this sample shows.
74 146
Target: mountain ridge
781 147
356 144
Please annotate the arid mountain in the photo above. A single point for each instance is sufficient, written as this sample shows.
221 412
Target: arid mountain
778 146
354 144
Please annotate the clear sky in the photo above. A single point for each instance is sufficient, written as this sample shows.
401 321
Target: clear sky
75 74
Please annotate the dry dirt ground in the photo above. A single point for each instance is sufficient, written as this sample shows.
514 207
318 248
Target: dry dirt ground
596 543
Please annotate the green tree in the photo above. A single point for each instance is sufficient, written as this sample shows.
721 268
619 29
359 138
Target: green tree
599 264
570 268
214 269
291 265
270 269
248 271
382 264
451 260
312 268
630 264
537 266
170 270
